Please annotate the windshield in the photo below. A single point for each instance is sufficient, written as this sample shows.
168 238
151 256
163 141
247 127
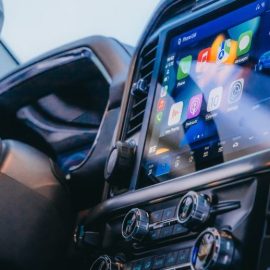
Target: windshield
34 27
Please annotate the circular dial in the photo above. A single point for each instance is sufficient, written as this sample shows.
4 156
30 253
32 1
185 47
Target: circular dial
105 263
213 250
120 161
135 225
193 210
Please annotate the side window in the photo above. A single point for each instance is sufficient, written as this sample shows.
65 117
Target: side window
7 61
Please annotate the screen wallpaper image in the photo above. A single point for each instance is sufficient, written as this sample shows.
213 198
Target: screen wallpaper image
212 101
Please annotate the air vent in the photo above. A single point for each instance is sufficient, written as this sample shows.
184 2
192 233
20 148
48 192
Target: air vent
140 89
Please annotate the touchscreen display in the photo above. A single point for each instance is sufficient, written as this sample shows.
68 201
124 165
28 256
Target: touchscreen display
212 102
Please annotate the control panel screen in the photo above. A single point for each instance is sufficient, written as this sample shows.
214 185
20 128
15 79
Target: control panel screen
212 102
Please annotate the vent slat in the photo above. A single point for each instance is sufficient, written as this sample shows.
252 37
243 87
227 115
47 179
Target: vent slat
149 65
136 116
148 53
148 77
134 130
137 112
137 104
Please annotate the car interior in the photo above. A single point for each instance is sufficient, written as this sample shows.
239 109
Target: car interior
151 157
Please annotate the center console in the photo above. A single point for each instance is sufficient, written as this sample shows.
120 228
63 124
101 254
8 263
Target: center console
205 229
188 177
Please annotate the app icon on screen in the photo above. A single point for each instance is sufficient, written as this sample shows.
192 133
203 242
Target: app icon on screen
184 67
223 50
203 59
236 91
164 91
161 105
161 151
152 149
159 117
164 166
175 113
194 107
214 99
244 43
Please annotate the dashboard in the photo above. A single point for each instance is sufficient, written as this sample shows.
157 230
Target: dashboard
188 173
164 151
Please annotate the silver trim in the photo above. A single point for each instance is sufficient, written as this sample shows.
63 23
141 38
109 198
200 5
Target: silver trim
254 164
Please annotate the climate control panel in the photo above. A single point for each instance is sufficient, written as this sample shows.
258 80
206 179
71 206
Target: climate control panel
191 213
197 230
140 225
213 249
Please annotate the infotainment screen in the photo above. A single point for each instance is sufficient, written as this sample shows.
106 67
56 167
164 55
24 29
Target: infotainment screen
212 102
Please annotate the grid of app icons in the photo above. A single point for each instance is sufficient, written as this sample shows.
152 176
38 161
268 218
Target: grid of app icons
222 51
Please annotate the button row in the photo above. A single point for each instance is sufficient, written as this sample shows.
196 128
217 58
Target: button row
193 210
176 229
162 215
176 258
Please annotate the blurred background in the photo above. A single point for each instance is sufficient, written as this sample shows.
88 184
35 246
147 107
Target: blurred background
32 27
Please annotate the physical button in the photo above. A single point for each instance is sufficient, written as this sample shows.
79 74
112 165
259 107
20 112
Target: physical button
169 213
147 264
183 256
166 232
154 234
159 262
156 216
138 266
179 229
171 259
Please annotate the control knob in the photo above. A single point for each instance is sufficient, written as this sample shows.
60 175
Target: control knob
120 161
193 210
135 225
105 262
213 249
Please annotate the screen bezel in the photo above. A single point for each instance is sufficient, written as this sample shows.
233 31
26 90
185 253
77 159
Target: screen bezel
186 23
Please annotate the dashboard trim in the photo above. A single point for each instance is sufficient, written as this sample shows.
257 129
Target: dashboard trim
245 167
43 65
